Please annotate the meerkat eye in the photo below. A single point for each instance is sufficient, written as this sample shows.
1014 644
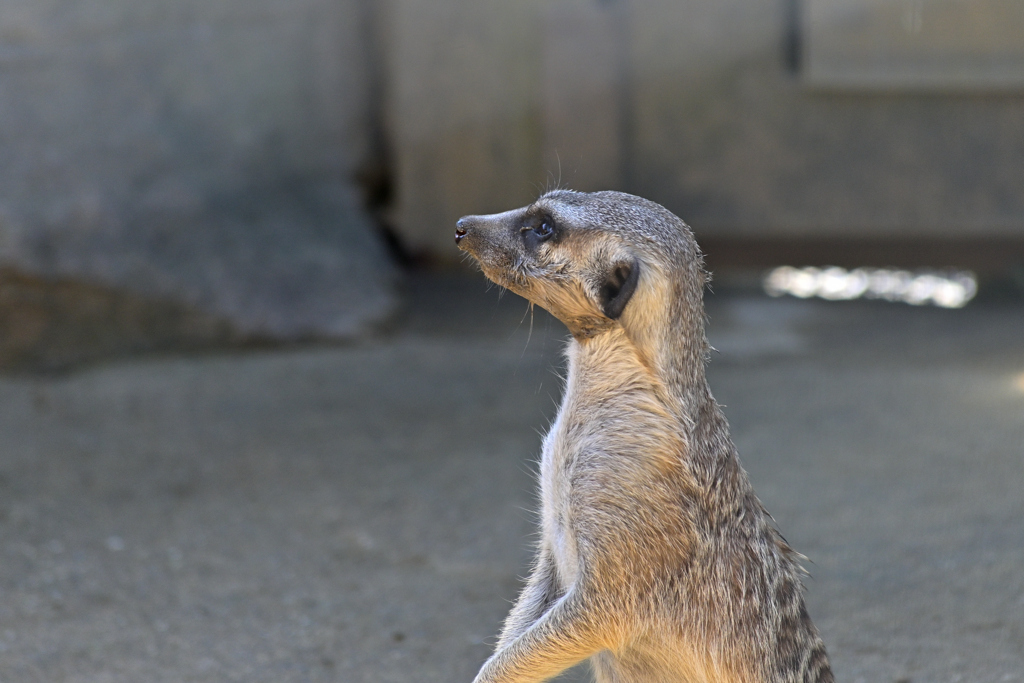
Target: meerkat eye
537 231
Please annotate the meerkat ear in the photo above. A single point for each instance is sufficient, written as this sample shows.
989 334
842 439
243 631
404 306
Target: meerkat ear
618 288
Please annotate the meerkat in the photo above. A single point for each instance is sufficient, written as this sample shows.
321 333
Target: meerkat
656 561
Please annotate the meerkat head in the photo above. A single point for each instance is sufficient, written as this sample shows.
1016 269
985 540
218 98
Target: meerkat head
593 260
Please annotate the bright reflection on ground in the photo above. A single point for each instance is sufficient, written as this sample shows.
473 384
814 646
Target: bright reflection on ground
947 289
1019 382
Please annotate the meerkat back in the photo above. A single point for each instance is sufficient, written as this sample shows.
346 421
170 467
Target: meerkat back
656 560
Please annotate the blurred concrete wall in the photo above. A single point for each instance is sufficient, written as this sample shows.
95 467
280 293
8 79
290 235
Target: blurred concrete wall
966 45
195 153
183 172
702 105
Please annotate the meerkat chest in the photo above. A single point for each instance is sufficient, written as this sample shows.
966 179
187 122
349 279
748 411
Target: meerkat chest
558 521
590 456
609 439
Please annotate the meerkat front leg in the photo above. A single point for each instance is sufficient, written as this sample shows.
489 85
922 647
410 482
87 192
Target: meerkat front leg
566 634
538 595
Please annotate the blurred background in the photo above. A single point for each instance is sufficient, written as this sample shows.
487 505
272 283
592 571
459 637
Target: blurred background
259 421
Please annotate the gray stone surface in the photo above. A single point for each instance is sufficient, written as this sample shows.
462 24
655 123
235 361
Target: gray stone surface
937 45
463 100
584 97
728 136
363 513
199 154
286 263
708 112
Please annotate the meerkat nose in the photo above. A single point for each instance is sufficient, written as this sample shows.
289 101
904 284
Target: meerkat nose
460 230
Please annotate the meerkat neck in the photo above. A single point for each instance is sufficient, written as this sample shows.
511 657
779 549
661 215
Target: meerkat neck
612 368
665 328
615 360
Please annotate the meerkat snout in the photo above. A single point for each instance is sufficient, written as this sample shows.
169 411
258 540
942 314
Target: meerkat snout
656 560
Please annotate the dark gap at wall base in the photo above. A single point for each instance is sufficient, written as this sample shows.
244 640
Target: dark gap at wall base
986 256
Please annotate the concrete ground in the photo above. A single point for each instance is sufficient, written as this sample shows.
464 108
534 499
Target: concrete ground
363 513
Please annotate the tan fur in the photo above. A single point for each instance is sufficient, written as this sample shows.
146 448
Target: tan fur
656 560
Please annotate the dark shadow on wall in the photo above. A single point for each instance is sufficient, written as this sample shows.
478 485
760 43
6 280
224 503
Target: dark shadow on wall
54 325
